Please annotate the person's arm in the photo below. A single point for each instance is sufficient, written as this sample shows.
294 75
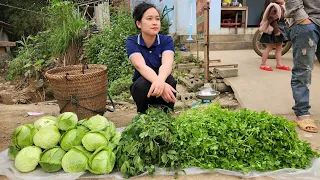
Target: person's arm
140 65
166 67
167 60
273 20
295 10
159 86
164 72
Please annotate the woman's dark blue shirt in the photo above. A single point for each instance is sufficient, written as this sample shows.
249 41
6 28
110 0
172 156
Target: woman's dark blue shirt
151 55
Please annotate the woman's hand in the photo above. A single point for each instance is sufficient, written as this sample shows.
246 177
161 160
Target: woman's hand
278 34
156 88
168 94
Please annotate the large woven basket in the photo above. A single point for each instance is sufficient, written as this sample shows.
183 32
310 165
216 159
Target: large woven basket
80 89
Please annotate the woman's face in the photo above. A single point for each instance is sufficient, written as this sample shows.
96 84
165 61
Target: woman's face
150 22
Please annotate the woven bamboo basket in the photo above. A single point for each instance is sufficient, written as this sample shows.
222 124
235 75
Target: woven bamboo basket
80 89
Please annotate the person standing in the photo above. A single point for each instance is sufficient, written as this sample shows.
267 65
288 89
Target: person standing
305 33
275 32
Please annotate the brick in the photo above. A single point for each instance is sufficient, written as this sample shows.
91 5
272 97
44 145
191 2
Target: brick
192 84
186 97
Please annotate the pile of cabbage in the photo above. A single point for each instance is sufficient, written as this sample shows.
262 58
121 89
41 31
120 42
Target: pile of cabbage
65 143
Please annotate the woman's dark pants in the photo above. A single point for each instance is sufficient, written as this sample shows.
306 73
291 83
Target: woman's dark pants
139 91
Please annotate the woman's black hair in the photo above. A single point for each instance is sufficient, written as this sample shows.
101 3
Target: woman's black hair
139 10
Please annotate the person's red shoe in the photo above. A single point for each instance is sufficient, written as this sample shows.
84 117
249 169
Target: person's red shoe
283 67
266 68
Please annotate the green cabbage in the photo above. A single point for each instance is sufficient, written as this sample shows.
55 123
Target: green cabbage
50 160
71 138
114 141
93 140
102 161
75 160
27 159
45 121
12 152
110 131
23 135
67 121
96 123
47 137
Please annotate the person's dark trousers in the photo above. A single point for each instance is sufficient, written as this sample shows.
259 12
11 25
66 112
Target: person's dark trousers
139 91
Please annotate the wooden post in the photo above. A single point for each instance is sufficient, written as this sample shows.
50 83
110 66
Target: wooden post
206 42
129 10
197 48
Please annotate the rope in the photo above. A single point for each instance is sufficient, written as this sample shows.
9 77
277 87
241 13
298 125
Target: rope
74 100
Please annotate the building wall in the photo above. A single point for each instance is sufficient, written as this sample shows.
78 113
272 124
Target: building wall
180 17
183 17
255 9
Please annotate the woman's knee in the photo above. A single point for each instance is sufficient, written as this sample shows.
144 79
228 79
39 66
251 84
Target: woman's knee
141 85
170 80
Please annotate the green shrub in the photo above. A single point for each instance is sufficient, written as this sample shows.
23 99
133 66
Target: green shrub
120 85
30 58
109 47
64 27
164 26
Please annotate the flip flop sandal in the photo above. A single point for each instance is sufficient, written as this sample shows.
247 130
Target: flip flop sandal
307 123
266 68
283 67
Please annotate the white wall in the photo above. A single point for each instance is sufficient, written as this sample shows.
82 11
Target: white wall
180 16
183 17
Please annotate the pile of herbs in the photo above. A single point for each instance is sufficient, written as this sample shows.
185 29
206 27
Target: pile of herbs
210 137
145 143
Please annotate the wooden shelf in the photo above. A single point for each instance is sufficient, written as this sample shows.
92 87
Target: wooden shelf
7 44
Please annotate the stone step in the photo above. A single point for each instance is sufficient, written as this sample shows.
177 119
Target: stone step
218 46
222 38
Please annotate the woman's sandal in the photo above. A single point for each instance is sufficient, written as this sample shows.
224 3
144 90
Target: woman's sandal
283 67
266 68
306 124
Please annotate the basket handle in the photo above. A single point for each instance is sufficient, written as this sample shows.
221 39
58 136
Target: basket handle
85 65
67 77
74 100
112 103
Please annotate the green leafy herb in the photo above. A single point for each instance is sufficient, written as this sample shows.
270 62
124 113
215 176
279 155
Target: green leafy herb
211 137
147 142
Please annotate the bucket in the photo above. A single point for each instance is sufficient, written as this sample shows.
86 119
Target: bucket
81 89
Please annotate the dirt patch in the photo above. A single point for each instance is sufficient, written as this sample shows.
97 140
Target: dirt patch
24 91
